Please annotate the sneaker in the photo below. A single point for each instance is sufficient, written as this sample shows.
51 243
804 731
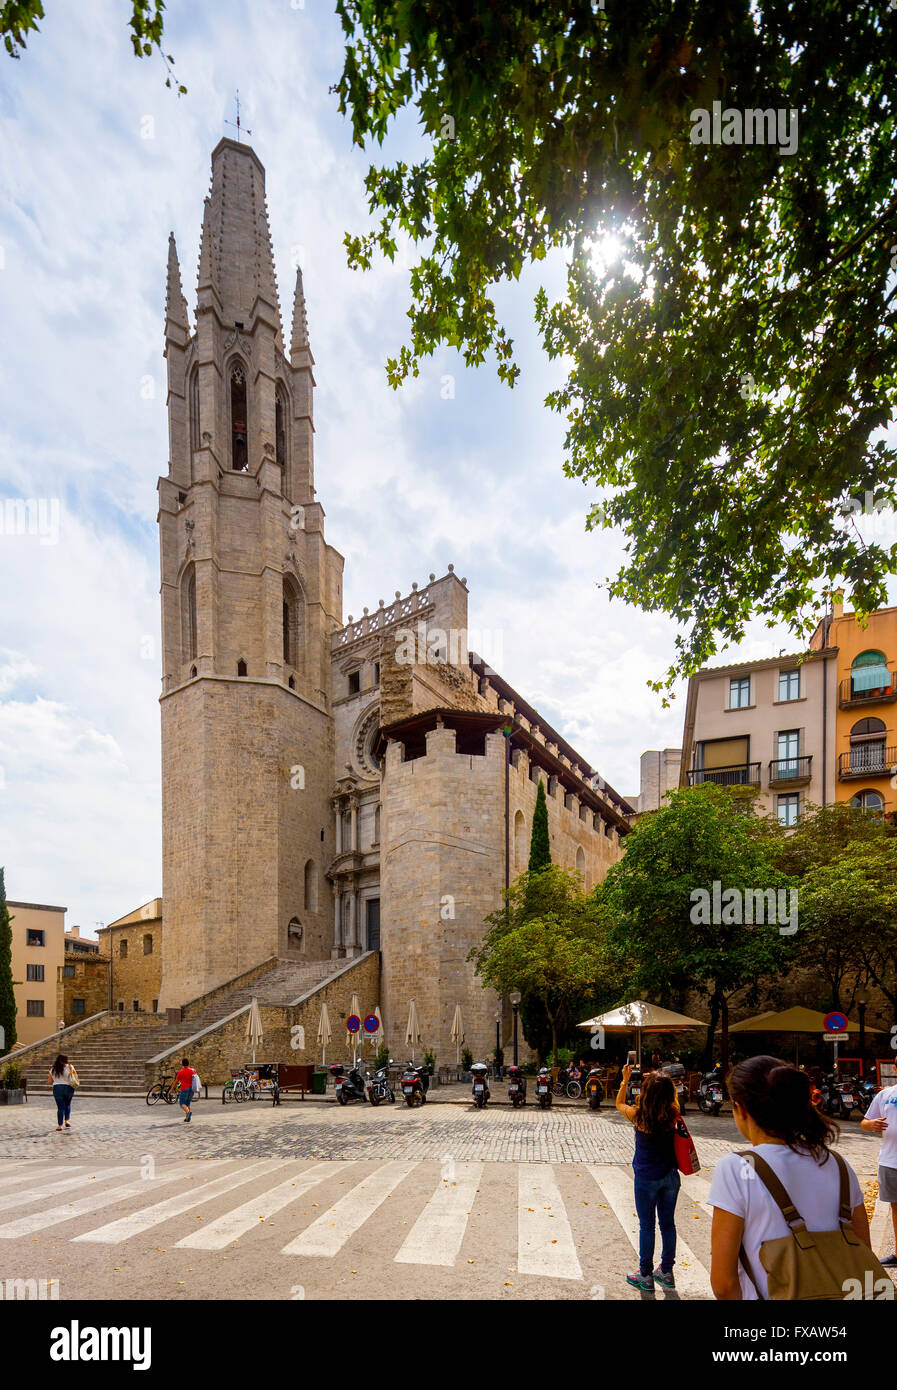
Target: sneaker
645 1282
189 1118
890 1262
664 1279
186 1119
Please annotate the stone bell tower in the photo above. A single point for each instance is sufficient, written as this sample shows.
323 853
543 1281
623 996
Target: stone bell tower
251 593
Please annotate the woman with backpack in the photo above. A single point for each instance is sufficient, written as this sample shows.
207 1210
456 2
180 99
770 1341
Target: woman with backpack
657 1180
63 1078
770 1202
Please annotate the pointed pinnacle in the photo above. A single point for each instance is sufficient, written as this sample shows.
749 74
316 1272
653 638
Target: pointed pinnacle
175 303
299 341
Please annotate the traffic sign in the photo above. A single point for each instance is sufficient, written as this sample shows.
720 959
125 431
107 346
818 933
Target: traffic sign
371 1023
835 1023
353 1023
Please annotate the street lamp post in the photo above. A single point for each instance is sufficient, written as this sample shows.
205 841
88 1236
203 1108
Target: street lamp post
862 997
515 1005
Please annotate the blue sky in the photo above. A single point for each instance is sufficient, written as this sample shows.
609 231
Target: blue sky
99 162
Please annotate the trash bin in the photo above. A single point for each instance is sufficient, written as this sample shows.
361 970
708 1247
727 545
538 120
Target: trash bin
319 1083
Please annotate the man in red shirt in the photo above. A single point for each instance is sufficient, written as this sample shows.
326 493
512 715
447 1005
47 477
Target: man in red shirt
184 1083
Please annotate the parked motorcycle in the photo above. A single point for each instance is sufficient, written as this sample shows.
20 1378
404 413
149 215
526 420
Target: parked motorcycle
634 1086
594 1089
481 1092
543 1088
516 1087
379 1087
349 1087
710 1091
415 1083
676 1072
841 1095
867 1090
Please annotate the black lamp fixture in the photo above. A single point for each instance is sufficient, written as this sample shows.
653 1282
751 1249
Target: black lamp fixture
515 1005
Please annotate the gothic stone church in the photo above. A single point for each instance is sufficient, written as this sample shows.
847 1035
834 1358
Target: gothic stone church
326 792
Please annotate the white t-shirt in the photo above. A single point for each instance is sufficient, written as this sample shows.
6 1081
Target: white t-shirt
813 1188
884 1107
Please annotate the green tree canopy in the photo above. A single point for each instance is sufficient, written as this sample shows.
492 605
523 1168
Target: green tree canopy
731 364
19 19
659 927
548 943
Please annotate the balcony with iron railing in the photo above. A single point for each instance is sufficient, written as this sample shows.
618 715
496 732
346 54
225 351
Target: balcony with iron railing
851 691
790 772
867 760
739 775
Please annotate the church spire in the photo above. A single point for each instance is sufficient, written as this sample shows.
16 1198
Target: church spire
236 257
175 303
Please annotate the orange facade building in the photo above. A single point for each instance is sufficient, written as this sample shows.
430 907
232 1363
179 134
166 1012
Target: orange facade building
865 746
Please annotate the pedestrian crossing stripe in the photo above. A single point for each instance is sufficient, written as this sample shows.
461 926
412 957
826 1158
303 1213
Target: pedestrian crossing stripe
37 1171
546 1246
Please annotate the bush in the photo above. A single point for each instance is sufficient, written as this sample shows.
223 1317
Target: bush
564 1057
381 1060
466 1059
12 1077
429 1057
529 1068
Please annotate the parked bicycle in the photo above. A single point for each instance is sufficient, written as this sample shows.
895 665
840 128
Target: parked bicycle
564 1086
242 1086
162 1090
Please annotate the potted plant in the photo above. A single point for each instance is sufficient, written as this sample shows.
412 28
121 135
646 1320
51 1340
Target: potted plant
13 1090
430 1063
466 1063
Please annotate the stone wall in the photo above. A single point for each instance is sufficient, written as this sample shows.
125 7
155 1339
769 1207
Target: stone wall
136 974
217 1050
88 982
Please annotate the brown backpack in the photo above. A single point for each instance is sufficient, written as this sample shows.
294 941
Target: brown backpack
815 1265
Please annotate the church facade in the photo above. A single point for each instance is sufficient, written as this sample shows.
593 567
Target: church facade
330 787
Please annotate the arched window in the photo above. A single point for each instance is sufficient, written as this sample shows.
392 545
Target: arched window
280 429
239 420
870 801
188 614
867 746
519 841
581 863
293 613
195 427
148 944
311 886
241 667
869 674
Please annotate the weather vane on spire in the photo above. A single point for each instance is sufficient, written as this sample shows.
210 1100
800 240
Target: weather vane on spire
237 122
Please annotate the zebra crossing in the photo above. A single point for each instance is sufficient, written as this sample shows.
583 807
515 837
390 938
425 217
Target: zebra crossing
557 1227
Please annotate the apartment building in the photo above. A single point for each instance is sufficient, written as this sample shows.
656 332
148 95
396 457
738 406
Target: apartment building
766 724
38 952
865 708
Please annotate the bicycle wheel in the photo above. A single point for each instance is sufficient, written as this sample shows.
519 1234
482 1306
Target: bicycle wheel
227 1092
255 1090
239 1089
574 1090
154 1094
170 1094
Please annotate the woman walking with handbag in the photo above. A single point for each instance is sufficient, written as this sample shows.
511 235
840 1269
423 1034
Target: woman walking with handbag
63 1078
788 1214
657 1181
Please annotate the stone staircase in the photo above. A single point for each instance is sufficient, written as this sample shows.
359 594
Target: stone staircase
111 1049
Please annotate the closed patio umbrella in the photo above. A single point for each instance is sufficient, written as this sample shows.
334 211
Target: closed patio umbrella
324 1034
412 1031
254 1027
457 1033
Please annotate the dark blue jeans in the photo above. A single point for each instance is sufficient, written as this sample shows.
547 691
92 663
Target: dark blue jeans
62 1095
657 1199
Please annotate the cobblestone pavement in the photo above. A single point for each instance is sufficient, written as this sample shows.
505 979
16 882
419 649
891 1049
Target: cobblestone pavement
125 1130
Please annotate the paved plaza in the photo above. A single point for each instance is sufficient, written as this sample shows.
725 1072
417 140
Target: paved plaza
310 1200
